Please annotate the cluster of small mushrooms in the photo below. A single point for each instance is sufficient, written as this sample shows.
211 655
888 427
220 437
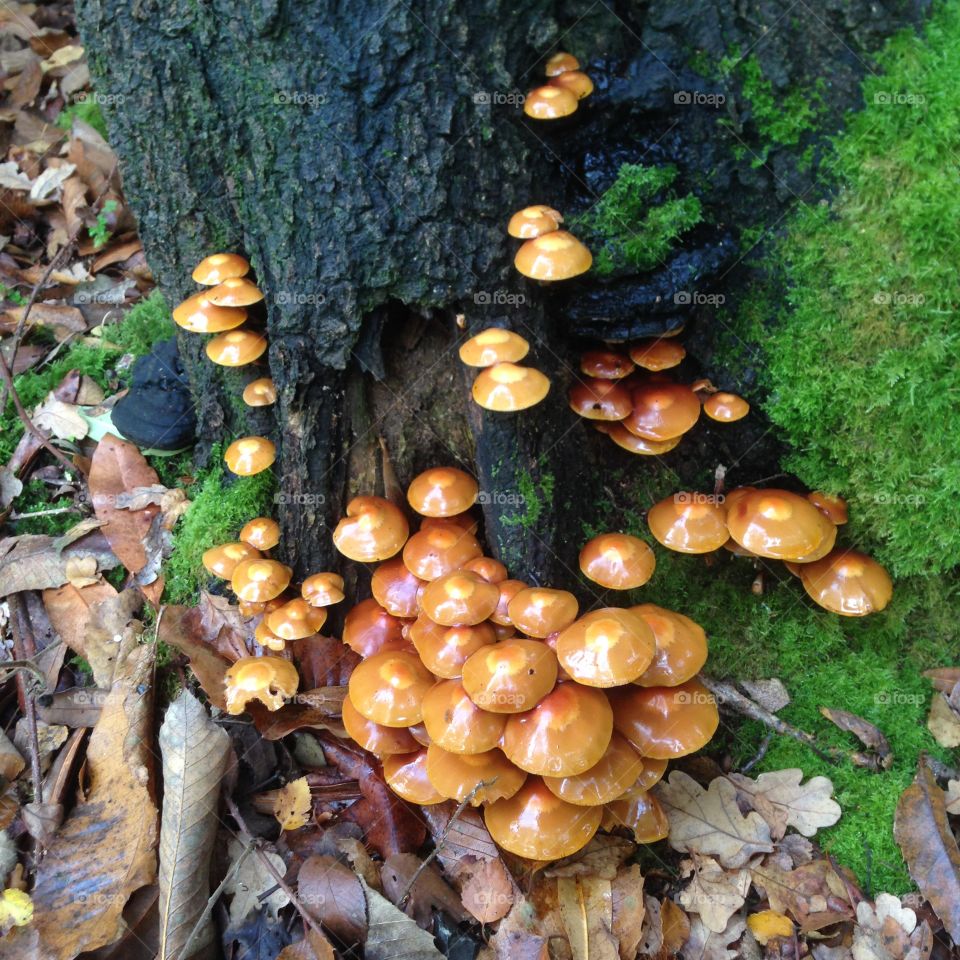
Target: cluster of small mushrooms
566 86
221 309
547 253
781 525
503 384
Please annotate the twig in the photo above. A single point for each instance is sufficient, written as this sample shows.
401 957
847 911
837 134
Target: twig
43 513
761 753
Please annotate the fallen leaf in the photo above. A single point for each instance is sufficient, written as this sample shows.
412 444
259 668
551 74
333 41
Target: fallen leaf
868 734
107 629
467 836
16 909
768 924
601 857
81 571
392 934
11 760
38 562
79 707
179 627
313 946
333 895
430 891
69 610
10 487
807 808
943 722
486 890
250 883
705 944
952 800
520 945
629 910
586 911
713 893
943 679
674 925
812 889
47 186
292 805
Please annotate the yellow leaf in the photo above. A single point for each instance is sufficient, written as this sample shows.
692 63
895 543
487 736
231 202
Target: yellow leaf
16 909
768 924
292 806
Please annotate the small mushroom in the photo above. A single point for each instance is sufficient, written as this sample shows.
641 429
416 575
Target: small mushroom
539 611
611 776
725 407
222 561
681 647
483 777
465 521
218 267
270 680
832 506
576 81
198 315
657 354
406 773
378 739
506 387
560 62
368 629
600 400
258 581
236 348
640 813
606 365
606 647
455 723
373 530
617 561
388 688
396 589
530 222
296 619
442 492
630 442
688 523
780 525
261 532
550 103
268 639
510 676
508 590
847 582
235 292
260 393
662 411
250 455
322 589
553 256
439 549
493 571
459 598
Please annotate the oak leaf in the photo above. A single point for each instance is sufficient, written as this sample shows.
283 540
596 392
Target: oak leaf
781 799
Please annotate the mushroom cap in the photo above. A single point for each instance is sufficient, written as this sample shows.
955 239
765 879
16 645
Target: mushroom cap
510 676
536 824
732 497
834 507
600 400
688 523
606 647
322 589
388 688
235 348
617 561
442 492
440 548
222 561
565 734
725 407
396 589
464 521
576 81
560 62
368 629
198 315
444 650
260 393
267 638
250 455
506 387
550 103
455 723
374 529
508 590
662 411
540 611
261 532
525 224
296 619
267 679
219 267
554 256
779 525
640 812
460 598
606 365
375 737
614 773
681 647
653 771
260 580
847 582
235 292
630 442
493 571
406 774
657 354
665 722
459 775
253 608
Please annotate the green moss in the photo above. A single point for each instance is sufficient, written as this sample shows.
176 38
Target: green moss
88 111
780 119
35 498
637 220
145 324
535 497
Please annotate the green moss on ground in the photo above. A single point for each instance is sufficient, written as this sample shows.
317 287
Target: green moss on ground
88 111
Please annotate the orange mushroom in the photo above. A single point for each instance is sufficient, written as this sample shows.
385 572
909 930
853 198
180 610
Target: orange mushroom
442 492
258 581
236 348
525 224
441 548
493 571
640 813
561 62
388 688
235 292
270 680
553 256
606 647
482 777
373 530
611 776
681 647
630 442
549 103
260 393
576 81
657 354
510 676
322 589
455 723
222 561
725 407
459 598
780 525
847 582
662 411
261 532
198 315
507 387
267 638
832 506
296 619
250 455
688 523
406 773
368 629
617 561
218 267
396 589
508 590
539 611
600 400
606 365
375 737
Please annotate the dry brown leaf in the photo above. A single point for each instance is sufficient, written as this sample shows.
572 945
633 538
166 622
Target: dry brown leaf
629 910
714 893
430 891
487 892
392 934
250 883
674 925
867 733
81 571
179 627
313 946
39 562
11 760
807 891
704 944
466 837
332 894
765 925
60 420
943 722
601 857
771 694
586 911
69 610
109 623
781 799
884 929
292 805
64 321
953 797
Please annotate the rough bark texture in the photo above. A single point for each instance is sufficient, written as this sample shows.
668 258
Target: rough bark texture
365 156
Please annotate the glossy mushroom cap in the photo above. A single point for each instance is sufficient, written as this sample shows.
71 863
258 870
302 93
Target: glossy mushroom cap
606 365
506 387
198 315
560 62
267 679
388 688
511 676
688 523
617 561
253 608
681 647
373 530
235 292
407 776
614 773
396 589
235 348
725 407
374 737
606 647
261 532
657 354
780 525
662 411
652 772
833 507
576 81
222 561
550 103
260 393
441 548
554 256
250 455
526 224
539 611
463 521
508 590
665 722
485 777
267 638
600 400
640 813
322 589
368 629
258 581
444 650
459 598
493 571
442 492
455 723
847 582
565 734
219 267
630 442
296 619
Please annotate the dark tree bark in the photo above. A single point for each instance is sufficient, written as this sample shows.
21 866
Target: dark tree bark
366 156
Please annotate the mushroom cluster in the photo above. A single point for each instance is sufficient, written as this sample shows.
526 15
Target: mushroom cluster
643 411
222 309
566 86
503 384
481 688
547 253
773 524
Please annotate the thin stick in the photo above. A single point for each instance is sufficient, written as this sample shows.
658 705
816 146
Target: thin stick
43 513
